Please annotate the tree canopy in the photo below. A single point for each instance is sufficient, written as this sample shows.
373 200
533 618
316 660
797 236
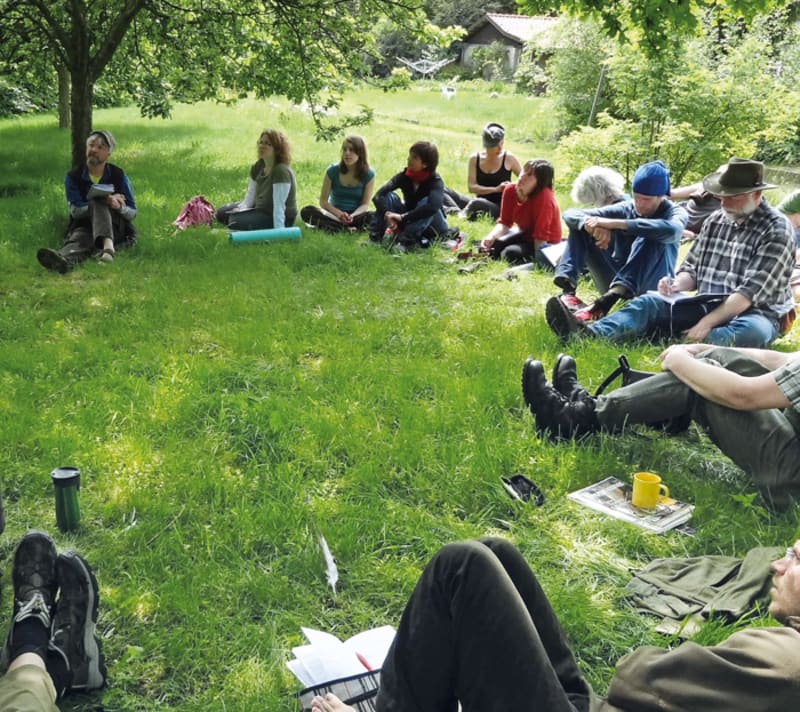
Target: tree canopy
655 23
160 51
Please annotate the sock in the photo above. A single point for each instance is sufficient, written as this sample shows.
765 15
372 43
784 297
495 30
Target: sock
29 636
59 673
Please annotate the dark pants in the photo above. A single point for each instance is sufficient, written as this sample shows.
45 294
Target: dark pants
83 241
314 216
479 629
482 206
764 443
252 219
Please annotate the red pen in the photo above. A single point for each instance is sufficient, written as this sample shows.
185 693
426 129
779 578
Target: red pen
363 661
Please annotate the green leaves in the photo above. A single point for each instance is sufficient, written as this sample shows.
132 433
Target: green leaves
655 24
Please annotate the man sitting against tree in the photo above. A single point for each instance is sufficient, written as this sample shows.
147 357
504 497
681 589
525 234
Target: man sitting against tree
627 246
101 209
480 631
740 262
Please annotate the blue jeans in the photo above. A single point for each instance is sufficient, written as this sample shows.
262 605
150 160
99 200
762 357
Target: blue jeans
633 262
649 315
413 230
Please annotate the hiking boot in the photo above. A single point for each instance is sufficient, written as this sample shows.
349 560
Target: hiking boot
565 379
571 302
561 320
34 577
74 621
554 414
52 260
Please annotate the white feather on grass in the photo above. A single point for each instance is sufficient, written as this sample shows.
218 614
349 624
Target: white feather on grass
330 565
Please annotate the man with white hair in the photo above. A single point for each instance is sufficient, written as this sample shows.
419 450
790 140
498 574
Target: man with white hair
101 209
626 245
739 265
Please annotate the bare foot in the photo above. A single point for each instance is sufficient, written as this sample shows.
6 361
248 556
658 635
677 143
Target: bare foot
330 703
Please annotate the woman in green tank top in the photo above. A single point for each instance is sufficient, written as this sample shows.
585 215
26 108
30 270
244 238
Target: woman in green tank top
271 198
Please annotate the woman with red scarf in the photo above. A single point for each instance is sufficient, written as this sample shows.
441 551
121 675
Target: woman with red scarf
529 216
417 218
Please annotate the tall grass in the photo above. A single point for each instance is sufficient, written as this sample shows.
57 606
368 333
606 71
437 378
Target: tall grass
229 404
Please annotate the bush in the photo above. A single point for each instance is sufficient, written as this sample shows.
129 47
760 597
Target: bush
574 70
15 101
491 62
691 107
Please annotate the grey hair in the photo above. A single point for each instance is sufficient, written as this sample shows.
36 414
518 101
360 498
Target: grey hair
597 186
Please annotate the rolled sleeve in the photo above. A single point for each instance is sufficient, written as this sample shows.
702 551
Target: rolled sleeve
788 379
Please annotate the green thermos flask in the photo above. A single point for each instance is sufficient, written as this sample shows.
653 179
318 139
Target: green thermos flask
67 482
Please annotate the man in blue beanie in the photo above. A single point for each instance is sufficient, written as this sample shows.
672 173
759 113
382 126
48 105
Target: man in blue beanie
739 265
627 246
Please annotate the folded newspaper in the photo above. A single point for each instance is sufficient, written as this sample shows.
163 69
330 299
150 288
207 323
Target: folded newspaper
613 497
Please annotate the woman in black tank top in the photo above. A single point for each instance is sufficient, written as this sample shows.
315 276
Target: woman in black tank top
489 172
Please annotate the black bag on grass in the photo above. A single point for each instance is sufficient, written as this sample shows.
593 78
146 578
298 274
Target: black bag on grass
631 375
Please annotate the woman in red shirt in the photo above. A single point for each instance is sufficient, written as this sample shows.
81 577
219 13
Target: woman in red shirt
529 216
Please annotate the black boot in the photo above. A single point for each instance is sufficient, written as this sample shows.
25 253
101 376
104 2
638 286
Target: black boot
565 379
555 414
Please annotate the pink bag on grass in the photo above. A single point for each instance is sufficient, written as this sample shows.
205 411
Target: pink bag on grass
198 211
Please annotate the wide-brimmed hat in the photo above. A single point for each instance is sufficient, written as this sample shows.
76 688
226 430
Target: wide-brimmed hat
737 177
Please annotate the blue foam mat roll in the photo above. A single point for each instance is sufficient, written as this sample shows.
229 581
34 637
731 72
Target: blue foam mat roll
275 233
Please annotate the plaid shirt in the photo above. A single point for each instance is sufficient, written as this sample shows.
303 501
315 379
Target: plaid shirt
754 258
788 379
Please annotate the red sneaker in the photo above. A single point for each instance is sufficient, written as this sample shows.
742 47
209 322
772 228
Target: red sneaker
590 313
571 302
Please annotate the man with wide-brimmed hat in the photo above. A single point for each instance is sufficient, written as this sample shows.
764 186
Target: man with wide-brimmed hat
739 266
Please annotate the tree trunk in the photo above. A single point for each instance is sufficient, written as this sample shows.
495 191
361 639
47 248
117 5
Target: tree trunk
81 111
63 97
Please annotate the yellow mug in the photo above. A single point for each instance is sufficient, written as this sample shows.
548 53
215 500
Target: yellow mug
647 490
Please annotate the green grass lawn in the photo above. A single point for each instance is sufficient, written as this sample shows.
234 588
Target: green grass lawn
229 404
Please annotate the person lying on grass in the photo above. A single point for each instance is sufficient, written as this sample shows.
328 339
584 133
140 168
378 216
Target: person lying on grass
747 400
479 630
